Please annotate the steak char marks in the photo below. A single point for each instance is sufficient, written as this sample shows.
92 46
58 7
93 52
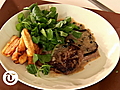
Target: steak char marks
68 58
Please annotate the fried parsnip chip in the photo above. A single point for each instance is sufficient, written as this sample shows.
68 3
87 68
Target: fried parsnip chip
15 55
8 44
11 48
30 60
38 50
19 50
16 62
21 46
28 42
23 58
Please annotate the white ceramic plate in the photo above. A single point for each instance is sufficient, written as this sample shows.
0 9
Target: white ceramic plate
106 37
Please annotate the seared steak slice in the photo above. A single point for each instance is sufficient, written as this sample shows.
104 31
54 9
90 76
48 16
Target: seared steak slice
67 60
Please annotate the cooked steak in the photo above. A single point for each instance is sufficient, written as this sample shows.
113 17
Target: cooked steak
68 58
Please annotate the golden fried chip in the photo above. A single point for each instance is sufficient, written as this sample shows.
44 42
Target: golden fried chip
23 58
15 55
38 50
16 62
28 42
11 48
8 44
21 46
30 60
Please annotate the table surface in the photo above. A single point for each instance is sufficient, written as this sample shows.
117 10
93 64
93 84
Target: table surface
112 4
11 7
